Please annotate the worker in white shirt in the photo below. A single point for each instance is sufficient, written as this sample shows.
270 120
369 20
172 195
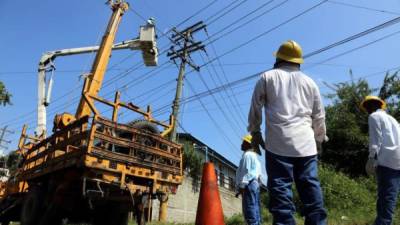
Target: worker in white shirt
295 121
384 156
248 181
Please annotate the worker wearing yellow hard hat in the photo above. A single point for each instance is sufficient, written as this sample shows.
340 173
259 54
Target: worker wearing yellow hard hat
295 125
248 181
372 100
384 156
290 51
247 139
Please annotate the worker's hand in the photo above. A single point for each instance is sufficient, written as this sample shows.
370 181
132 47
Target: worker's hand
370 167
257 140
240 192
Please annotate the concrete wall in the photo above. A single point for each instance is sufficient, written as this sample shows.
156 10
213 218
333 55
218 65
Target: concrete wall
182 206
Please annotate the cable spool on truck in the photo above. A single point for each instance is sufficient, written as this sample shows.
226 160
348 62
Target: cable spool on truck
93 168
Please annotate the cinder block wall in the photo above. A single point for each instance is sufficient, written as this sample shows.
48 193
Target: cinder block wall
182 206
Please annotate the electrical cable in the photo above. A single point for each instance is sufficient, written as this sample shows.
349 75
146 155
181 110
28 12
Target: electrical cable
212 118
266 32
363 7
224 114
354 49
237 113
239 109
245 23
355 36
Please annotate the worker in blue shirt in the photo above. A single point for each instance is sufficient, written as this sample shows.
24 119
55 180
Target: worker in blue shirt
248 181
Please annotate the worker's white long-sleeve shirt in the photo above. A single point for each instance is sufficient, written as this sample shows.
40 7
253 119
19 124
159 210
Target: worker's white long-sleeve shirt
294 112
249 169
384 139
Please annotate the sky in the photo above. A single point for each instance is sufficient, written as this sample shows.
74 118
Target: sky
30 28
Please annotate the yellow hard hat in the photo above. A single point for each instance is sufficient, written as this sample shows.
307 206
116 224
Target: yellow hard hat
247 138
372 98
290 51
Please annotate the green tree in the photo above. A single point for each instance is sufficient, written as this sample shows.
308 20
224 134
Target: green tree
13 159
192 163
347 125
5 96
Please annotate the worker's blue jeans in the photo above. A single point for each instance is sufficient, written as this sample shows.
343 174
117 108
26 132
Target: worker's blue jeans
388 189
251 203
282 171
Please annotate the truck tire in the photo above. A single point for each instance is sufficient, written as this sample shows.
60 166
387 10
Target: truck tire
51 216
32 206
121 218
145 125
111 214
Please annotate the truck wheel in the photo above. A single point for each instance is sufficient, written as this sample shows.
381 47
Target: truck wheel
111 214
32 206
145 125
51 216
120 218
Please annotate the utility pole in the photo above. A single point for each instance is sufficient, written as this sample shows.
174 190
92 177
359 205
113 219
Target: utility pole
3 132
185 41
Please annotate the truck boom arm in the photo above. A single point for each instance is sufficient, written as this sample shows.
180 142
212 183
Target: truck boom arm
145 42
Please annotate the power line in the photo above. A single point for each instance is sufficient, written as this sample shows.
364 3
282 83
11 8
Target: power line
266 32
356 36
62 105
211 118
237 113
254 38
246 22
239 109
354 49
130 69
226 7
32 113
197 13
224 114
226 12
363 7
371 74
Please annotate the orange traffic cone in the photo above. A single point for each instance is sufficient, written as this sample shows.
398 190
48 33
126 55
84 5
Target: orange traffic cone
209 208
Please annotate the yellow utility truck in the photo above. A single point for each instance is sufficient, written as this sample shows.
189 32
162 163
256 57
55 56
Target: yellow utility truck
95 169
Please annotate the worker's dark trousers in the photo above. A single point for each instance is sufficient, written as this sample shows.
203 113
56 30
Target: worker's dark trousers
388 189
251 203
282 171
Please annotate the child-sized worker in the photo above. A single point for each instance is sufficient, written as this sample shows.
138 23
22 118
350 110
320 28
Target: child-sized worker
248 181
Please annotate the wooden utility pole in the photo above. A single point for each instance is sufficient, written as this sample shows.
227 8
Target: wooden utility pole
3 132
184 40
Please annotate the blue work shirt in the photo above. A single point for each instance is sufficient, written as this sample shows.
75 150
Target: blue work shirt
249 169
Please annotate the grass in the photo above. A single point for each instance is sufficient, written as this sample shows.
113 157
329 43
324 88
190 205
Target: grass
348 201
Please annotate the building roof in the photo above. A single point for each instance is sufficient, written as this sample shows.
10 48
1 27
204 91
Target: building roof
211 151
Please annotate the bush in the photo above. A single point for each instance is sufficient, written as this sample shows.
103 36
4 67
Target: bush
236 219
347 200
